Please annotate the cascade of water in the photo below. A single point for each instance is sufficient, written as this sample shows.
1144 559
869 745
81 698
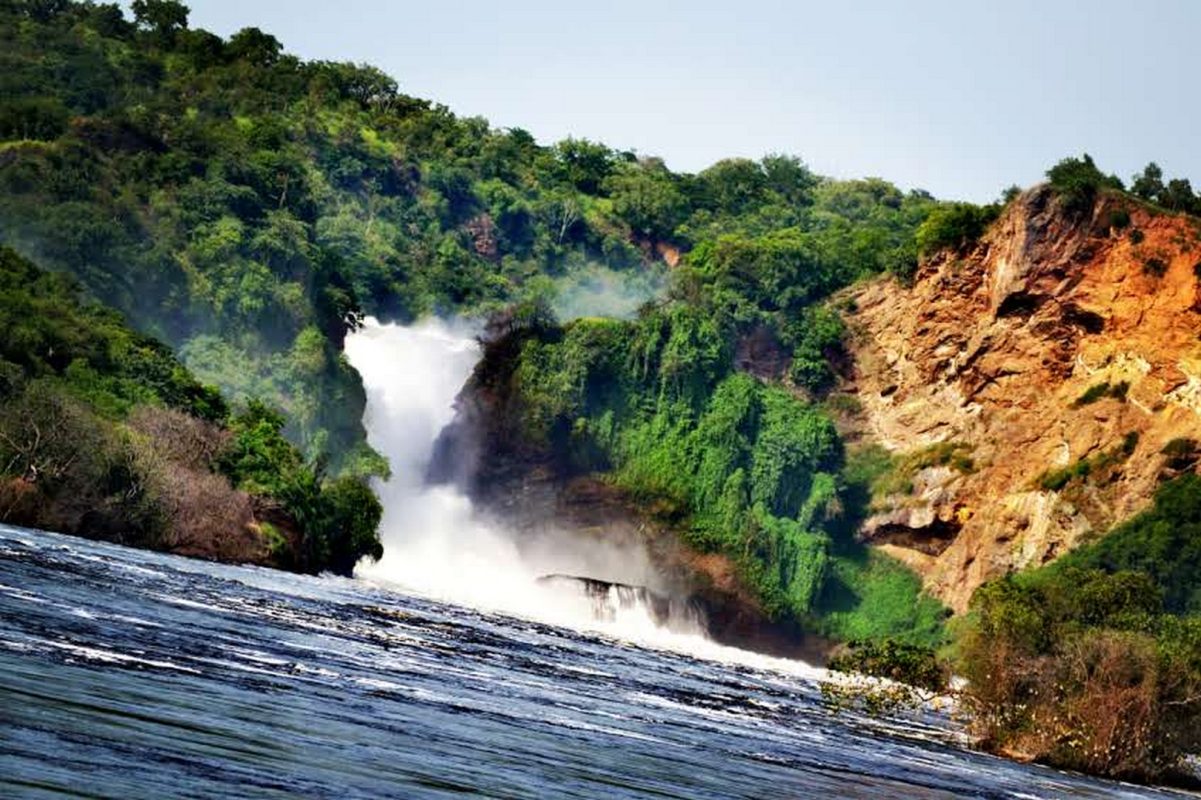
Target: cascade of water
437 544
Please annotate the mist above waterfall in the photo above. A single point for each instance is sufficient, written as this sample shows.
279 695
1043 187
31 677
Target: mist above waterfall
598 291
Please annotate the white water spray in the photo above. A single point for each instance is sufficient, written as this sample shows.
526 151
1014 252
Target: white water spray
437 544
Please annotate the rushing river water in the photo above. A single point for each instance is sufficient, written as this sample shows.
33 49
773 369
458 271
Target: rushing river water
129 674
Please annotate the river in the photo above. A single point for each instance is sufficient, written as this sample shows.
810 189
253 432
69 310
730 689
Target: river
135 674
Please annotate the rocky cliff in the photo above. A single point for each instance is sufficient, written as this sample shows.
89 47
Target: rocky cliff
1028 385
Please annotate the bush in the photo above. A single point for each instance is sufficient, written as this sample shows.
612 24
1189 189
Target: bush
911 675
1181 453
896 661
1092 394
1082 670
1163 542
1055 479
339 519
1077 182
954 226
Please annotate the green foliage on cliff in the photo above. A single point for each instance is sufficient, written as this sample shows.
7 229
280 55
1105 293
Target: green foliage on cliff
742 467
1078 180
1163 542
954 226
1083 669
45 332
1094 662
339 517
248 208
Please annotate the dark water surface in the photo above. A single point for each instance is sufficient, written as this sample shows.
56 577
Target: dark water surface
131 674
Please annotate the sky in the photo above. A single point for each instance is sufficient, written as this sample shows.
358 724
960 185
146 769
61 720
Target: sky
962 98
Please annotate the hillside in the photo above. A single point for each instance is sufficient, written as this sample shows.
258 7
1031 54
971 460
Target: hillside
247 207
104 434
1042 381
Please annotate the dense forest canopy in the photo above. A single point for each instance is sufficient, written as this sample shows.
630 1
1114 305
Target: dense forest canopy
248 207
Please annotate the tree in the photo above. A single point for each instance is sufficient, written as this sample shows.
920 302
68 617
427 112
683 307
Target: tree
1077 180
788 177
1178 195
583 164
732 185
646 197
163 17
254 47
1148 185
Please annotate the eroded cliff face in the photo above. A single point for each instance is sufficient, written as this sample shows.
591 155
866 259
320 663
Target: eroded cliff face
981 372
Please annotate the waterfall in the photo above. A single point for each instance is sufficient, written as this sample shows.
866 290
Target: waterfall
437 544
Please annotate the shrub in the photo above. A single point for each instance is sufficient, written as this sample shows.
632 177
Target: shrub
1077 181
910 673
897 661
899 479
1163 542
1092 394
1181 453
954 226
1119 218
1082 670
1055 479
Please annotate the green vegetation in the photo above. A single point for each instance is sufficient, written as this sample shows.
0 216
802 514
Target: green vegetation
894 474
954 226
1092 663
1181 453
104 433
1163 542
1055 479
1083 669
1092 394
1175 195
248 207
743 468
1078 181
1156 266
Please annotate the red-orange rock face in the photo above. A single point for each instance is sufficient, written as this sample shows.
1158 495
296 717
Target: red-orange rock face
995 348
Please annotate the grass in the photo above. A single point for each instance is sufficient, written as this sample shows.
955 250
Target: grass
1055 479
1092 394
898 478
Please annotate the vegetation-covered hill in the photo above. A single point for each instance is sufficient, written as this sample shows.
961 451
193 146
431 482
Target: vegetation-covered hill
103 433
247 207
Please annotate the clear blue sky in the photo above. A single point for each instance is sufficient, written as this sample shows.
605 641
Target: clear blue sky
960 97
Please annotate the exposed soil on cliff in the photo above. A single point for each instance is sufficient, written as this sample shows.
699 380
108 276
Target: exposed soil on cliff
1033 381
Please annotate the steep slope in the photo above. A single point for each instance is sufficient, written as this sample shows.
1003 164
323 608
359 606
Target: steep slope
1032 383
